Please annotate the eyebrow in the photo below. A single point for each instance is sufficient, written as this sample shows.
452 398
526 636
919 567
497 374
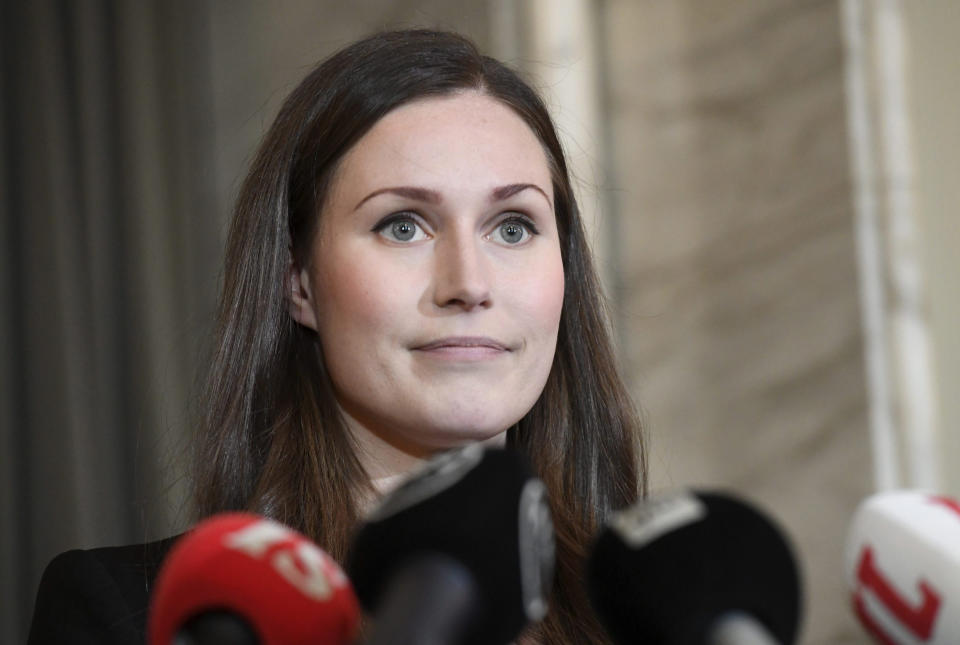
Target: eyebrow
433 197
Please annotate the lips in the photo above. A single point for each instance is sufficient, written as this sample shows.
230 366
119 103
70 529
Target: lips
464 342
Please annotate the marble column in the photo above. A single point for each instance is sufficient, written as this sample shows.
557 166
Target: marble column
740 316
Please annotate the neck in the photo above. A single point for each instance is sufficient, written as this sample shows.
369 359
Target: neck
387 464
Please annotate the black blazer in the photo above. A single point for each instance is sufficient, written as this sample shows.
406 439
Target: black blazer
98 596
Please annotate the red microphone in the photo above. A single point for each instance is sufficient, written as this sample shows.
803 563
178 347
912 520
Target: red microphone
256 576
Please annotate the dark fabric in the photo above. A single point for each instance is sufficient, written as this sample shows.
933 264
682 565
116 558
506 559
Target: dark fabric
110 247
97 596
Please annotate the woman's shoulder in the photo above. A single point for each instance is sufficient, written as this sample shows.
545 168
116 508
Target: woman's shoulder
97 595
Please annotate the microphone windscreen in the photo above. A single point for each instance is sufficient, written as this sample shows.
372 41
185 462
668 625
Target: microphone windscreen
483 509
271 578
903 567
666 569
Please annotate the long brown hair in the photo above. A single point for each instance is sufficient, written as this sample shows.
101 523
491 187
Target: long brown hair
272 439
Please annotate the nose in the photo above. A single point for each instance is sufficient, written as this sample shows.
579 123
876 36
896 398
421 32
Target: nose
461 274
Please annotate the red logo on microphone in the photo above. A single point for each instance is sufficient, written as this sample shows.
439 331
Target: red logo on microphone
918 621
949 503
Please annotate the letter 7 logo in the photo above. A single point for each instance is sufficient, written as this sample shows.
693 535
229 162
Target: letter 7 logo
300 562
917 620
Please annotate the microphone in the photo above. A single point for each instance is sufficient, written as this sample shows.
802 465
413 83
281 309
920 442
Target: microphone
460 554
694 568
242 579
902 564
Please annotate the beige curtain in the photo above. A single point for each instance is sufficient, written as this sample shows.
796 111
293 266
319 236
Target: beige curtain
108 266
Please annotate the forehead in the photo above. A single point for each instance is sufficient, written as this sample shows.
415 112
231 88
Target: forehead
462 140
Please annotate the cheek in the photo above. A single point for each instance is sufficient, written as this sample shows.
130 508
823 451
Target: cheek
360 302
543 296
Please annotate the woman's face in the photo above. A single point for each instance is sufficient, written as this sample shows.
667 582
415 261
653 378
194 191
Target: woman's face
435 280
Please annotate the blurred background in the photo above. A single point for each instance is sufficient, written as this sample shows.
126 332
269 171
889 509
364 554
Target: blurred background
770 189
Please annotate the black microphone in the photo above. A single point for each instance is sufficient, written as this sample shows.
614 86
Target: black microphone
695 568
460 554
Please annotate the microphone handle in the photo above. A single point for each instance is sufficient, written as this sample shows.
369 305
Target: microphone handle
430 601
739 628
216 628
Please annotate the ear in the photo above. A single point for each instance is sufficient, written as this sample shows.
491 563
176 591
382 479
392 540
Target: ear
301 297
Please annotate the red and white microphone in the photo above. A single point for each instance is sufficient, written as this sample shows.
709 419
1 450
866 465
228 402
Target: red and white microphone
903 568
255 576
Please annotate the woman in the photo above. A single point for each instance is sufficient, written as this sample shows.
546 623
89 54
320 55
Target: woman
406 271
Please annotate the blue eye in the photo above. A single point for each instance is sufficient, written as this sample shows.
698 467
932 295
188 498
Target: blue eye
514 231
401 228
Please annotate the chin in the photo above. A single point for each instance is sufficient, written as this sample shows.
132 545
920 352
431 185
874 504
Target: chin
457 432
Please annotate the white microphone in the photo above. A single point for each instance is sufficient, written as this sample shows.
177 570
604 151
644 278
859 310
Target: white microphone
902 564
